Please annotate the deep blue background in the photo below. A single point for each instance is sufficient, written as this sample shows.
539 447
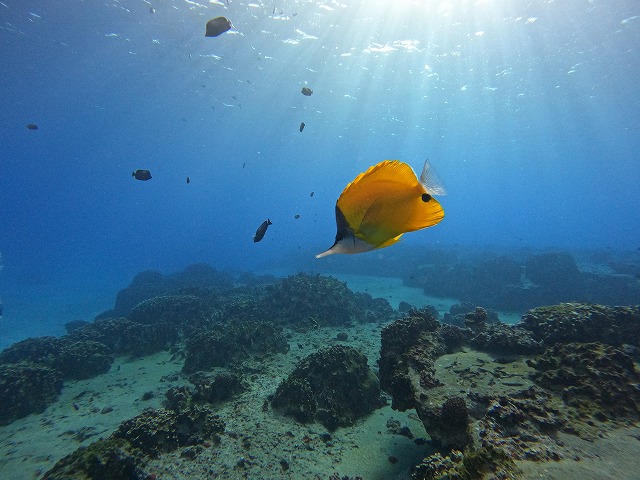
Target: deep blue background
529 111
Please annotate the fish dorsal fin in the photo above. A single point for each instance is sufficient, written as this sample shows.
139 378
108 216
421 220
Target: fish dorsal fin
430 180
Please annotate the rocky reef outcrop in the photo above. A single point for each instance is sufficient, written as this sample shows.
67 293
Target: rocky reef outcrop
334 387
26 388
536 379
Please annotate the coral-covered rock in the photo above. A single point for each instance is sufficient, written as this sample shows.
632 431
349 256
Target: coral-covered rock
582 322
474 464
307 301
220 345
26 388
209 348
42 350
449 424
598 379
187 311
84 359
409 348
506 340
150 284
108 459
161 430
216 388
334 386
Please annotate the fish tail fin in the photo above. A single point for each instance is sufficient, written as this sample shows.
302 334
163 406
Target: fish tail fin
430 180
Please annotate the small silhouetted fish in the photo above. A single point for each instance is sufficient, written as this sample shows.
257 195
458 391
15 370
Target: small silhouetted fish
217 26
312 194
296 216
234 97
306 91
152 10
141 175
188 180
262 229
244 164
32 126
302 126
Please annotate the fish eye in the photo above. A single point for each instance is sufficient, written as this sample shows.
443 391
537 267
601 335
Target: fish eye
426 197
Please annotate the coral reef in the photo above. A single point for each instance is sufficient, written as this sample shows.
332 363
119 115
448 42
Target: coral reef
409 349
155 431
26 388
150 284
84 359
448 425
505 340
126 452
334 387
216 388
582 322
308 301
486 462
599 380
221 345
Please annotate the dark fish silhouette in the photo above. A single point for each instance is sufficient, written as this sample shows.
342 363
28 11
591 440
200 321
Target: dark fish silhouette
188 180
296 216
141 175
306 91
262 229
32 126
302 126
311 194
217 26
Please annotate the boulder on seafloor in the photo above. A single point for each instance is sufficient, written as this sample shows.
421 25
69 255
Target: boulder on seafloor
334 387
583 322
468 465
448 424
73 358
84 359
26 388
108 458
409 348
157 431
150 284
125 453
599 380
216 388
220 345
307 301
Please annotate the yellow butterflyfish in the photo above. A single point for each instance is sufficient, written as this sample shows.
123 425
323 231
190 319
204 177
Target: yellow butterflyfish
382 204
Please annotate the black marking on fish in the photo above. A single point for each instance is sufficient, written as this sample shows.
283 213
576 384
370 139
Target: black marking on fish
426 197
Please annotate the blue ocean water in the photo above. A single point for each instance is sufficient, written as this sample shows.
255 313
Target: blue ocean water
528 111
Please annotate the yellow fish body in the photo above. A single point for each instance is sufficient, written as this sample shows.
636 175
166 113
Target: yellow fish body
382 204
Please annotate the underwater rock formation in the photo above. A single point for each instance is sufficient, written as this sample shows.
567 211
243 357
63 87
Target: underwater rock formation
126 452
84 359
307 301
468 465
74 359
583 322
150 284
504 339
216 388
26 388
334 387
599 380
220 345
108 459
409 348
